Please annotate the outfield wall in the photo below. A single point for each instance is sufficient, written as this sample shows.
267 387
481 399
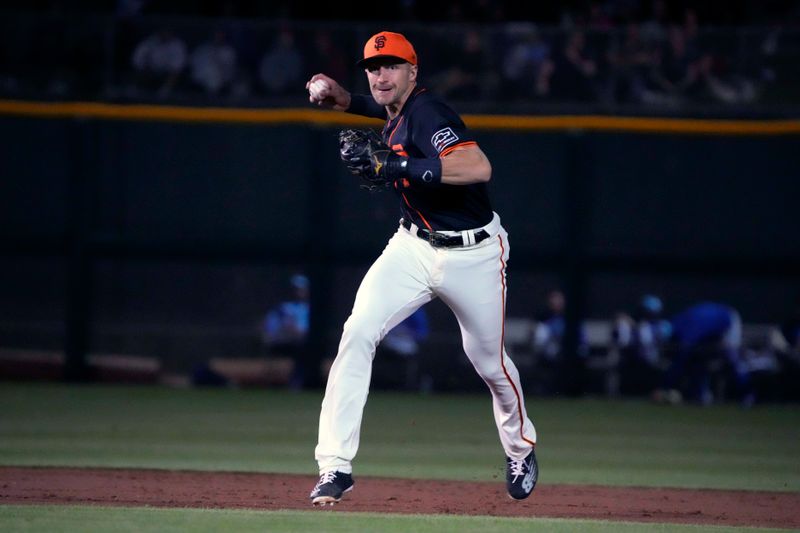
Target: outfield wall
120 219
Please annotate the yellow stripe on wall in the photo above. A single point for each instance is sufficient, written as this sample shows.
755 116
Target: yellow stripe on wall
636 124
179 114
332 118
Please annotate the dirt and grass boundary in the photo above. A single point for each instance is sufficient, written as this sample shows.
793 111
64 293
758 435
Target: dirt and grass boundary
259 491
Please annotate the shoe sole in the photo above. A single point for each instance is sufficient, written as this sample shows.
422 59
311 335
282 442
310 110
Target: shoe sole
322 501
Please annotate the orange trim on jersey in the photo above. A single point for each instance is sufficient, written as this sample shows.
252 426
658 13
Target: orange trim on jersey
502 347
399 150
395 129
456 147
424 221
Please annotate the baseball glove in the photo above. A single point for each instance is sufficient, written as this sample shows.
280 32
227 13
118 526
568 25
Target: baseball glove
363 153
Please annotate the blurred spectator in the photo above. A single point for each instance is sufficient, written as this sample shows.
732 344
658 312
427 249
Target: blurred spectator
527 67
158 61
630 63
403 339
654 26
790 330
282 68
548 338
575 74
691 31
328 57
686 73
213 64
640 339
725 83
549 329
678 71
767 54
788 348
598 17
707 339
401 346
287 323
126 36
721 80
654 56
285 328
60 61
469 77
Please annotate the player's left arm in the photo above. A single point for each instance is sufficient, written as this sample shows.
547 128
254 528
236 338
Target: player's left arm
450 155
465 164
448 148
460 164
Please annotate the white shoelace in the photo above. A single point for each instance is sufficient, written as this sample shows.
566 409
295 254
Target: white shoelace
517 468
327 477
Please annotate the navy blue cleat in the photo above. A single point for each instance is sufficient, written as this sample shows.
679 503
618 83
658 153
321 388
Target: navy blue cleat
521 476
330 488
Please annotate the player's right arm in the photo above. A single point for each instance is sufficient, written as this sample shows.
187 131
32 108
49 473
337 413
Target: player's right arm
327 93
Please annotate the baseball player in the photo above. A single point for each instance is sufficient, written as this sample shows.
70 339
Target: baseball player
449 244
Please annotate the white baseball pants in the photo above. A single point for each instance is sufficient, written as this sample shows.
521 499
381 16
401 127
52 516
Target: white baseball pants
409 273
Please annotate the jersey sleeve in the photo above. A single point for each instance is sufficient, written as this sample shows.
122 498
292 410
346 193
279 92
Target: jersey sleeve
437 129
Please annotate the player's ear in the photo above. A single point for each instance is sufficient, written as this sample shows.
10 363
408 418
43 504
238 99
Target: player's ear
412 72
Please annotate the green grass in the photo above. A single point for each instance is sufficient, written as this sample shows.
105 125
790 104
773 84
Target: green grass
67 519
404 435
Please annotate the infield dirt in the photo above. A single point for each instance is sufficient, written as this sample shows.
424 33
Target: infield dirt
164 488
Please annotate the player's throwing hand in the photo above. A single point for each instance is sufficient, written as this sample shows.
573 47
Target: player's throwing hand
325 92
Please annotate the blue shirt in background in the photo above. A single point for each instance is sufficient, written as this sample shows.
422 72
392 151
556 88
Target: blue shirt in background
701 322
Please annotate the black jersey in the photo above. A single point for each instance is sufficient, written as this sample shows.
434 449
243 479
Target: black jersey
427 127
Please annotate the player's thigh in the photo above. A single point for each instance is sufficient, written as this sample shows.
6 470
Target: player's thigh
395 285
475 290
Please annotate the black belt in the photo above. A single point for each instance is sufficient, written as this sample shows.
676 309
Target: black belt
440 240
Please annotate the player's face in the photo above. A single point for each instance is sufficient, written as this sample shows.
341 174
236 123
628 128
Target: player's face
391 82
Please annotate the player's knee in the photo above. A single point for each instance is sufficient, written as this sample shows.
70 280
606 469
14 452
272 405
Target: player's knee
489 370
361 331
495 375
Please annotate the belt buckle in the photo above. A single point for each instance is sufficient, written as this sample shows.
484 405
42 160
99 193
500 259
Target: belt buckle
436 240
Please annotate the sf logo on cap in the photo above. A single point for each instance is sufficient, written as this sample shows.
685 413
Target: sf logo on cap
380 42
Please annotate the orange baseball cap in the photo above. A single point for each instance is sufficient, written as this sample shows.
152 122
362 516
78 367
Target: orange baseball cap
388 44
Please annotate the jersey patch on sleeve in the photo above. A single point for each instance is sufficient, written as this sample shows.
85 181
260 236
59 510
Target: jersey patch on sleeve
443 138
